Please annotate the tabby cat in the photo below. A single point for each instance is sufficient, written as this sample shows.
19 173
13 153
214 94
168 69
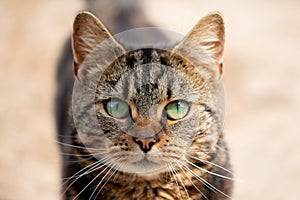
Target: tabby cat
146 122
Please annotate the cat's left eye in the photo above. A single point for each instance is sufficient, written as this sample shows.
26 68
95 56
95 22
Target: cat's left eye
177 109
116 108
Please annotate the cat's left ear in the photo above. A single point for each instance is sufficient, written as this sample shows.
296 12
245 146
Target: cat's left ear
205 42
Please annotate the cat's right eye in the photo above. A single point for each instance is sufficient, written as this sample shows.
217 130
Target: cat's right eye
177 109
116 108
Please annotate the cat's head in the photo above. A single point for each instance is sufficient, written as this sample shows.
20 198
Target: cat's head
141 109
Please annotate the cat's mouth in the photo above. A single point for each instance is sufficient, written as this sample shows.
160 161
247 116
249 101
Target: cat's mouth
145 162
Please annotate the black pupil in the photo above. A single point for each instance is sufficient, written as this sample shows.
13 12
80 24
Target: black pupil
177 106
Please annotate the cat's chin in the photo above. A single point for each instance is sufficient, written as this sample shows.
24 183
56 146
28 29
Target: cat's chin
150 176
145 168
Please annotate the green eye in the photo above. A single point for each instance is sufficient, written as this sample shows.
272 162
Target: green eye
177 109
117 108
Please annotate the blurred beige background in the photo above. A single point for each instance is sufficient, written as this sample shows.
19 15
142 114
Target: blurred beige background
261 78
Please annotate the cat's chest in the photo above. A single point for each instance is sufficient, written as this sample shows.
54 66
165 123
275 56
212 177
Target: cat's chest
139 189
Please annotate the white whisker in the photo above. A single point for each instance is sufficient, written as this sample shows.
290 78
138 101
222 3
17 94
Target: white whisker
101 161
105 181
207 171
92 180
173 173
181 182
77 161
191 181
122 165
97 165
79 147
83 155
79 176
211 163
203 181
221 148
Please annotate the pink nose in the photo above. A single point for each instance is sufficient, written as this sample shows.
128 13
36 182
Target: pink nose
146 143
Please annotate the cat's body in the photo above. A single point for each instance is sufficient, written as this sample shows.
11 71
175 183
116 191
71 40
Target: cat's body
145 123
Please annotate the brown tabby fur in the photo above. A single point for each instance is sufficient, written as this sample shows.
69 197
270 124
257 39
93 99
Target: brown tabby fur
190 155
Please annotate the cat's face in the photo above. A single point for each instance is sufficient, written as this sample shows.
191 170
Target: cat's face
153 106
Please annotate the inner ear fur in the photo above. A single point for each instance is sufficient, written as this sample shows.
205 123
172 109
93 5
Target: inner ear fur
88 32
207 39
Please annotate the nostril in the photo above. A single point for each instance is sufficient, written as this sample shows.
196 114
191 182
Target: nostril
136 139
140 143
151 144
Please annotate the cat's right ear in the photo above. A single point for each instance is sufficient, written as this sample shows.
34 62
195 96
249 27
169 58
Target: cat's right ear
205 43
88 32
